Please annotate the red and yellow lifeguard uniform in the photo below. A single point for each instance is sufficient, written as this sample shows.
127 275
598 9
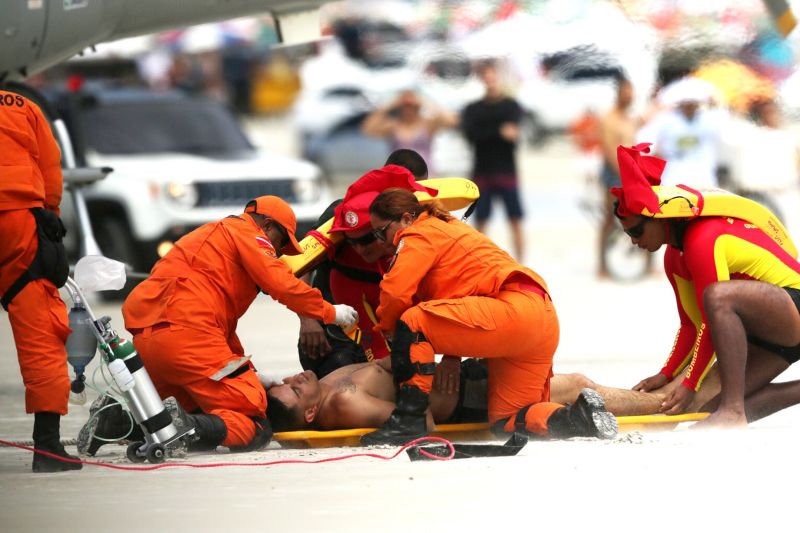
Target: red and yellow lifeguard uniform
184 319
350 284
30 176
716 249
470 298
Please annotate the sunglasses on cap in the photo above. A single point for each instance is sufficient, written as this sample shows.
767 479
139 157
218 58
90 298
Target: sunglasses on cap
636 232
364 240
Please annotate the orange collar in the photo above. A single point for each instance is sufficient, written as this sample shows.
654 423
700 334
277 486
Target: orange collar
399 235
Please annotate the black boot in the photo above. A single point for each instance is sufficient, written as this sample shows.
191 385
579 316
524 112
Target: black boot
587 417
407 422
209 430
46 438
108 422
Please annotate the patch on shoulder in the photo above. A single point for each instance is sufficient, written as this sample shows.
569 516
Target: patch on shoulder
265 245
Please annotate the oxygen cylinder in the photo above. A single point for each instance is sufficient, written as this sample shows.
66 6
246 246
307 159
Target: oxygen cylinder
143 400
81 347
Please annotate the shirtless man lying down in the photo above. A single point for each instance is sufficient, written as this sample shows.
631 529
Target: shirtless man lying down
362 396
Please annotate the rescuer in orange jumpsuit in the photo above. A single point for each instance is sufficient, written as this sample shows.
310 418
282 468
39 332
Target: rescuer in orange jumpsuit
32 267
452 290
352 271
183 319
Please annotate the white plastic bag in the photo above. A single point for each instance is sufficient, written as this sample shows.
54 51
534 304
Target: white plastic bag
99 273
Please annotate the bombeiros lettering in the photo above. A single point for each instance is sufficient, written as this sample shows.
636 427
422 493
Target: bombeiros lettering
9 100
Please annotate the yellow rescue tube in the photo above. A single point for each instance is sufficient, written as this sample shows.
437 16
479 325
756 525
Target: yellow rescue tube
454 194
677 202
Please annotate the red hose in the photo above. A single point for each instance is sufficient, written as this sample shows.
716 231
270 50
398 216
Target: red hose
414 442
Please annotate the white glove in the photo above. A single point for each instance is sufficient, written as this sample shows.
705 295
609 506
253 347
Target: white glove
346 316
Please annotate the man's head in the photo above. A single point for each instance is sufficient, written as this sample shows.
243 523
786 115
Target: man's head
410 160
688 108
294 404
276 219
489 74
408 105
647 233
624 92
352 215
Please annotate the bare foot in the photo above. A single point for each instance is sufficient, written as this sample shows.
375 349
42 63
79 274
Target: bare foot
722 420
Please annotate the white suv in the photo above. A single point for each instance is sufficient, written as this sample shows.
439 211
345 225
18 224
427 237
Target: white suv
178 162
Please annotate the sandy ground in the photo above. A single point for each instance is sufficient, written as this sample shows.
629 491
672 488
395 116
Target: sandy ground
614 333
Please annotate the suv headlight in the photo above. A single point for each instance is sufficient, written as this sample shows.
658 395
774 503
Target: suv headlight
306 190
183 194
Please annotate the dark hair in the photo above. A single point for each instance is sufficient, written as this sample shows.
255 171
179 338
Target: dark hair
392 203
410 160
281 418
483 65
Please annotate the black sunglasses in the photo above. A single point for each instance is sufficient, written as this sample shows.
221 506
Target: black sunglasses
636 232
380 233
364 240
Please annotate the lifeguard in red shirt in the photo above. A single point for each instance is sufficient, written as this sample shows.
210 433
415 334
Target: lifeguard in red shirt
736 283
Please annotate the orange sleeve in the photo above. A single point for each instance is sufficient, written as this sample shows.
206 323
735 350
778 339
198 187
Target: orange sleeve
275 278
49 161
415 255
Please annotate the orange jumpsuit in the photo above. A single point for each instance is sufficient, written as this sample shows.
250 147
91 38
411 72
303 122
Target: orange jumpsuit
184 317
30 176
470 298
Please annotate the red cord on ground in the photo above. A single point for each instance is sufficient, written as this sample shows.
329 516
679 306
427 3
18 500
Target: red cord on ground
414 442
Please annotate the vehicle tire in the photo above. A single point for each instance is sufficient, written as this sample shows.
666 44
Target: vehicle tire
624 261
116 242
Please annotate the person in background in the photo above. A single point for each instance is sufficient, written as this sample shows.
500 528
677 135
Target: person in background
617 127
492 127
405 124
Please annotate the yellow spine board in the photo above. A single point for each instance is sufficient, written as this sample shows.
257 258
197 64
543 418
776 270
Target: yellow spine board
678 203
454 194
477 431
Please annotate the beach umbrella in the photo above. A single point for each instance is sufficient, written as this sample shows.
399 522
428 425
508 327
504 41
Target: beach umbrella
738 86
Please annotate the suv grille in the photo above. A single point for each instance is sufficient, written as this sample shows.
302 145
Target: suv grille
238 193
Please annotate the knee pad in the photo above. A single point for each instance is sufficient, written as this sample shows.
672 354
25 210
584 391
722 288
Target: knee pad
402 367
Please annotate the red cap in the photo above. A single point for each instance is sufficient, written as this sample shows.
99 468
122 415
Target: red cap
278 210
353 213
639 174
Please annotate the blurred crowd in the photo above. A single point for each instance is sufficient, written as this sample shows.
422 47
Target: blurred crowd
713 103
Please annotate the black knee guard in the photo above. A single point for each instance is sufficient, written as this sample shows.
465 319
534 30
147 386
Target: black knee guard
402 367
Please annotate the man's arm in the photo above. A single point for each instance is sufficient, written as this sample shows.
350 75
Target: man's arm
274 277
415 255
